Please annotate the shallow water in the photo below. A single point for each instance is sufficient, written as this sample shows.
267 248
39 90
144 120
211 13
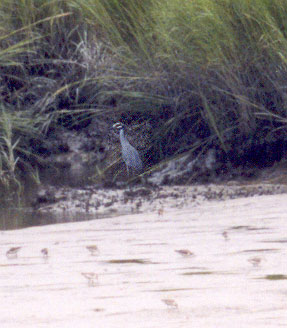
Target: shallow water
16 211
19 218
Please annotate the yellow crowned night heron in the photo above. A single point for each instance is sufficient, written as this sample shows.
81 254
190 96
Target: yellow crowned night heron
130 155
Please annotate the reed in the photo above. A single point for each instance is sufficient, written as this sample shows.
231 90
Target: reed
200 72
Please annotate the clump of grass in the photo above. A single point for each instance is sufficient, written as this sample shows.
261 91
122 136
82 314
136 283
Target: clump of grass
22 101
222 56
8 145
199 73
8 157
51 76
15 157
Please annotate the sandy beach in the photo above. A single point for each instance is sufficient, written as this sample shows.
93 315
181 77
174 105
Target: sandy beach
218 264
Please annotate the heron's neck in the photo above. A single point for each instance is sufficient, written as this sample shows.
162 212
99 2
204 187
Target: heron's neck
122 136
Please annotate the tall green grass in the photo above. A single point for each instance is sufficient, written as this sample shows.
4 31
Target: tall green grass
23 30
212 62
199 72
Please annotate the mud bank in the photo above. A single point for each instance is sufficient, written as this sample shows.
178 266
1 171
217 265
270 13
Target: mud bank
141 199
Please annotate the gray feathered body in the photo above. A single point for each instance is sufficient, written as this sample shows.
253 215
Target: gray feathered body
130 155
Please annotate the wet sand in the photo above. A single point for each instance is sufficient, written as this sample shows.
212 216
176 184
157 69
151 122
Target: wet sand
230 271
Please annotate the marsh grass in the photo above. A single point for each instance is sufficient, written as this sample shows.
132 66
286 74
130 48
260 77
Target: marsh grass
199 73
15 131
19 119
8 155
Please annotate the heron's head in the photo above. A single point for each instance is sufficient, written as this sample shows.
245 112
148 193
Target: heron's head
118 126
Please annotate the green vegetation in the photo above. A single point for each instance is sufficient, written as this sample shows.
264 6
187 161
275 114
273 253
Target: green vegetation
202 73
